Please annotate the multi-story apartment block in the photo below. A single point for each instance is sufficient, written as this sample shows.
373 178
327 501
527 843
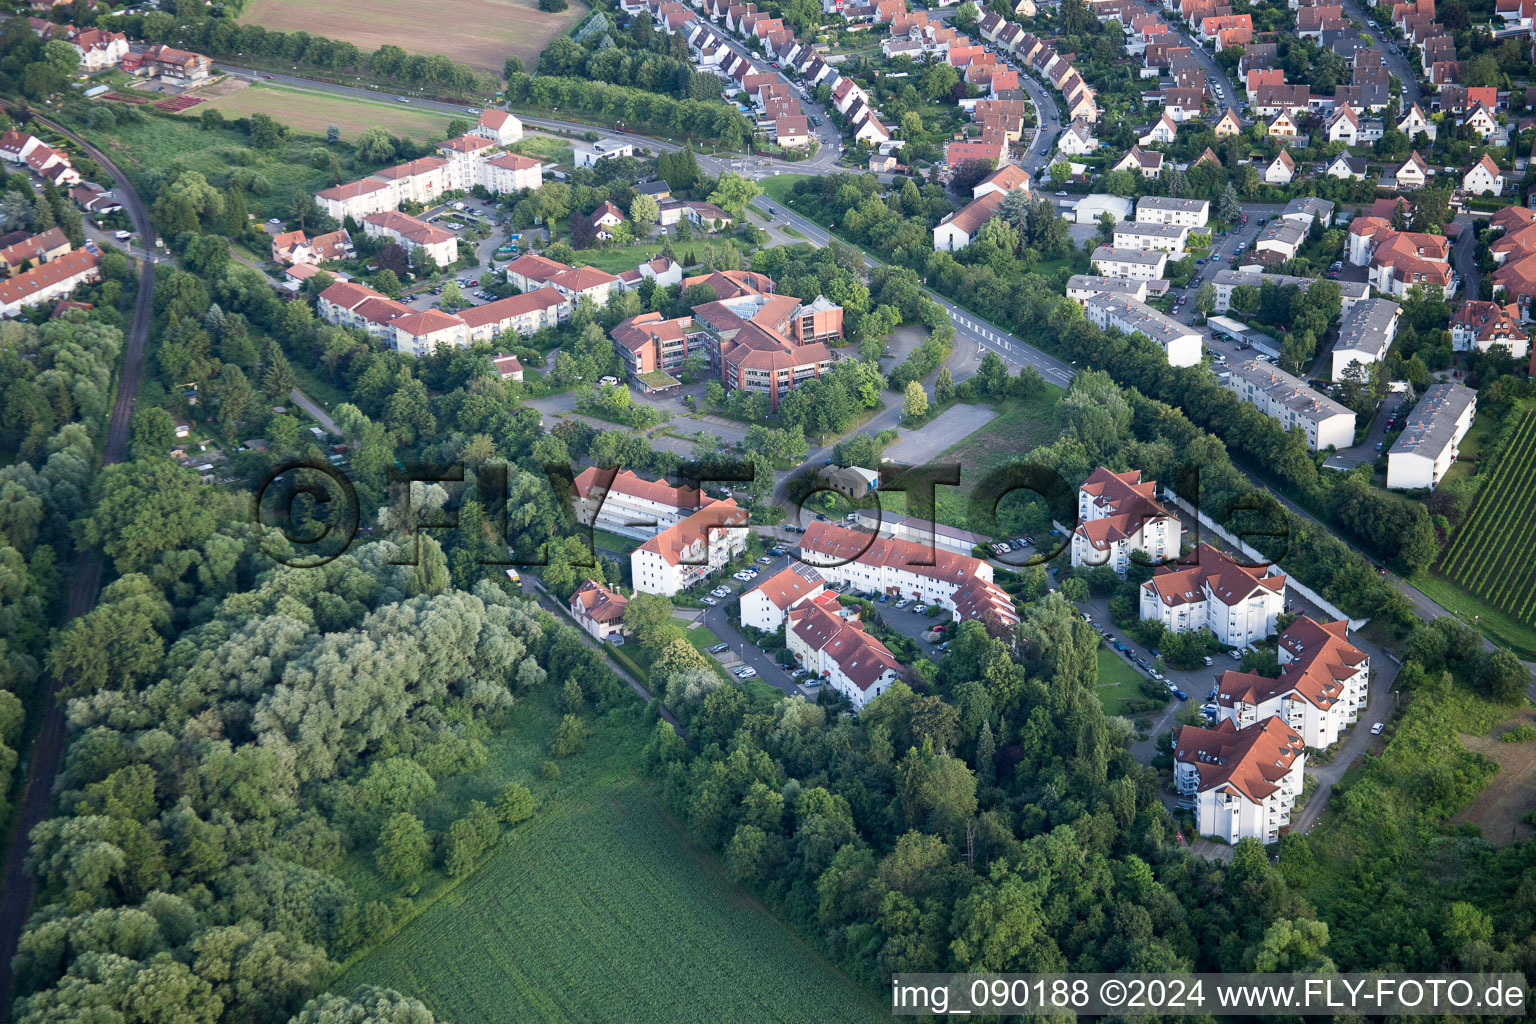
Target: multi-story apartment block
1191 213
687 552
353 305
1244 782
1431 441
467 161
962 585
1323 687
1365 334
1239 604
836 648
1350 292
1150 235
647 343
1181 344
765 605
1117 514
1287 398
1132 264
630 505
408 231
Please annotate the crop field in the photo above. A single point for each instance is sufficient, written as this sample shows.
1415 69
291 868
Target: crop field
600 909
1489 557
481 34
310 113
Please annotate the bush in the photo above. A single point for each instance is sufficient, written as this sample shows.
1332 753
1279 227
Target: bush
1523 733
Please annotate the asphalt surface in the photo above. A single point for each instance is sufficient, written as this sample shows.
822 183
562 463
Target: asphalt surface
48 746
1397 64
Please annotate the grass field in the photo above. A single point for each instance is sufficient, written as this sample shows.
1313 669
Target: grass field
310 112
1118 682
599 908
479 33
1488 558
777 187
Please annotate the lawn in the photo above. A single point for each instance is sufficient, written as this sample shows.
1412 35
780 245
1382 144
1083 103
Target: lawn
599 908
1118 682
310 112
777 187
545 147
479 33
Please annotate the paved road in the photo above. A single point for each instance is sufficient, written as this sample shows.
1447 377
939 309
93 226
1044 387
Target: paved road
1397 64
1466 256
1226 94
48 747
312 407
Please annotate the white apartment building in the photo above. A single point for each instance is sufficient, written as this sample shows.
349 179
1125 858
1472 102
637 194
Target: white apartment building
421 333
1324 685
765 605
1181 344
1139 234
1239 604
1431 441
1118 514
1190 213
588 154
1081 286
1243 783
960 584
686 552
1133 264
470 160
631 506
1365 334
836 648
920 531
1226 280
1287 398
442 246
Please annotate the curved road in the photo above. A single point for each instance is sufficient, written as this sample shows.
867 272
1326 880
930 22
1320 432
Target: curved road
48 747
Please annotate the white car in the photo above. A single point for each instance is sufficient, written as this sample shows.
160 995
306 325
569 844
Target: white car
742 576
709 601
1376 729
746 673
921 609
902 603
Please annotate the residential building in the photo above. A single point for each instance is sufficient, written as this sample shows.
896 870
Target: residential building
349 304
1483 325
294 247
442 246
1134 264
628 505
57 277
1226 280
1181 344
499 126
1347 167
1309 210
1398 260
1009 178
959 229
181 67
769 343
1283 396
1431 440
1077 140
1280 170
1147 163
1143 235
1081 286
924 572
1282 237
507 366
1324 685
836 648
1239 604
99 49
598 610
587 154
1413 172
1483 178
1243 783
764 606
1190 213
688 551
1117 514
919 531
33 251
1365 334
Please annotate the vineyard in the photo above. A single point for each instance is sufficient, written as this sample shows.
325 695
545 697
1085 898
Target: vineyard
1489 557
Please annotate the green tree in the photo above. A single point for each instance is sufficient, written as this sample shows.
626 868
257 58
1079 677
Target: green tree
375 146
944 386
644 210
515 803
403 847
733 192
914 403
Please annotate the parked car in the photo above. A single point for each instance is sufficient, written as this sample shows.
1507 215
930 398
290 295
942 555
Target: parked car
765 560
709 601
617 641
1376 729
1001 548
1181 695
885 598
1208 660
746 673
921 609
902 603
719 647
1235 655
